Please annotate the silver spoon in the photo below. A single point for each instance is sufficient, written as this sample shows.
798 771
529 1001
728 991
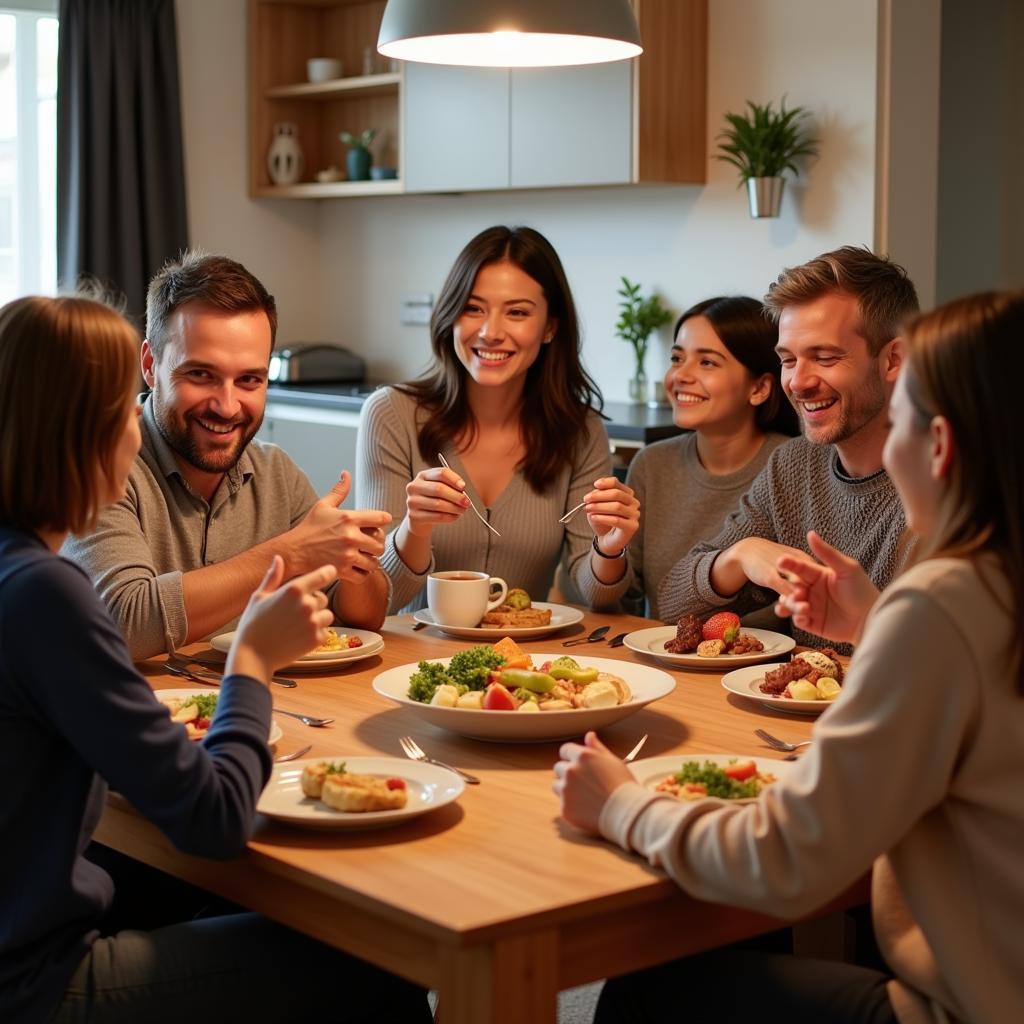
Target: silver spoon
294 754
595 635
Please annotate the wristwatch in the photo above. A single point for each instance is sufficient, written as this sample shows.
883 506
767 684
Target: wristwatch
610 558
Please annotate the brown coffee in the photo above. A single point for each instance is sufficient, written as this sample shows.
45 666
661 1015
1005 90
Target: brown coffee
461 576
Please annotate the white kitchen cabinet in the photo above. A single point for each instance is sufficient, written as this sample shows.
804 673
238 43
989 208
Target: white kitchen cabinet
321 442
468 129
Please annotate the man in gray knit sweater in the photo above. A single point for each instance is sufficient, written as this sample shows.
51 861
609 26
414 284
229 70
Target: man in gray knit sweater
839 318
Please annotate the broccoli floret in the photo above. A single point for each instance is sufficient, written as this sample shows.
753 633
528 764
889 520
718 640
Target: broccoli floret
565 662
429 675
472 667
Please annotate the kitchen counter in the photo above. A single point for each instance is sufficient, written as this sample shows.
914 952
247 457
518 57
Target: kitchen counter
635 424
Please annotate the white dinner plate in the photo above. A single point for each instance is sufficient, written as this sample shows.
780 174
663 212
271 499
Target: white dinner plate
651 770
373 643
429 788
652 642
562 616
746 682
275 729
647 684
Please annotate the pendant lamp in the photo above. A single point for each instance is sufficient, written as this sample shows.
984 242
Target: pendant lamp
509 33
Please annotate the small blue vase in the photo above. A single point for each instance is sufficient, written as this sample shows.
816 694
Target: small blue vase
357 163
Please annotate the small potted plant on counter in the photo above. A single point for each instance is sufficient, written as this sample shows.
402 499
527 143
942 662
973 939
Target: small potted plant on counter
639 318
762 144
358 158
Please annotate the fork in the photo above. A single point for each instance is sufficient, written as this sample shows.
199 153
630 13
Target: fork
444 462
636 750
294 754
317 723
414 752
776 744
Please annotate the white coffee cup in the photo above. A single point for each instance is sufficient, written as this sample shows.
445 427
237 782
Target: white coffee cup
460 598
323 69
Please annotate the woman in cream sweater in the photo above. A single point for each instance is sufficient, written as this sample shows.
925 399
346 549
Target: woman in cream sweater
916 769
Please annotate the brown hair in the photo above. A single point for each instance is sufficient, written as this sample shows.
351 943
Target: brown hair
558 393
68 372
885 294
215 281
963 361
740 323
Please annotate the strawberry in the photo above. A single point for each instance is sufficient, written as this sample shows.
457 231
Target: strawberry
722 626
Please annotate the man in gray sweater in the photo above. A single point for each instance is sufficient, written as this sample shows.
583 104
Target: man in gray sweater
839 319
206 506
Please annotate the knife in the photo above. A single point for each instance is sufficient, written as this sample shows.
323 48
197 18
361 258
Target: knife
180 667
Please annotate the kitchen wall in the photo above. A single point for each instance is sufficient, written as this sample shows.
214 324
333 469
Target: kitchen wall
338 266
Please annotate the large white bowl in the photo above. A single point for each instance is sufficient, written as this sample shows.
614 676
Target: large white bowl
647 685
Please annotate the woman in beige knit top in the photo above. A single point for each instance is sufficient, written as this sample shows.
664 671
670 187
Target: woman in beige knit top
508 405
917 767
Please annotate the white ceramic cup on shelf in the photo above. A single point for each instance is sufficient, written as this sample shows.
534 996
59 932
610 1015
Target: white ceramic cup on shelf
460 598
323 69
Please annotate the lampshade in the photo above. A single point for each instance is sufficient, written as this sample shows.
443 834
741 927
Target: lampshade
509 33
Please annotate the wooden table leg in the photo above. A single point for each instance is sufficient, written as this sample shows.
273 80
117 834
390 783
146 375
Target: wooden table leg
509 982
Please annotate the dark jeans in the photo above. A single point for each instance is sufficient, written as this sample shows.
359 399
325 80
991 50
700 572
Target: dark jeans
746 985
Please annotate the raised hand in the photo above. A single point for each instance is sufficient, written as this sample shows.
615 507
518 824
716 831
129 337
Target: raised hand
585 777
752 559
281 621
350 540
434 497
613 511
831 599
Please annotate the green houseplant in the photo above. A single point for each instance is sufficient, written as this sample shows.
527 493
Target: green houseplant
358 158
761 144
639 318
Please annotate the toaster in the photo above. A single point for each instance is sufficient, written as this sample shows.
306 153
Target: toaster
305 362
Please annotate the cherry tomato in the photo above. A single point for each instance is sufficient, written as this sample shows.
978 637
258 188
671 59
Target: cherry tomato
354 641
395 783
741 771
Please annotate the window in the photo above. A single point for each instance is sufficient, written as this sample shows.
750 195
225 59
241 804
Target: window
28 148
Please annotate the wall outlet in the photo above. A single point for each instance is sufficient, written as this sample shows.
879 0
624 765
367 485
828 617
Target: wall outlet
416 307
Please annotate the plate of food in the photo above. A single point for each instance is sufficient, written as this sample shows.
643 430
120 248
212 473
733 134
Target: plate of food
805 685
344 645
716 641
522 619
499 692
356 792
194 710
692 777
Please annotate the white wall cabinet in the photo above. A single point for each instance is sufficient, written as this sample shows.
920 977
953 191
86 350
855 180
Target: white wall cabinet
469 129
321 442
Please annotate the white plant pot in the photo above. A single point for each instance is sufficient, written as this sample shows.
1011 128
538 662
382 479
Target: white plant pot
284 157
765 196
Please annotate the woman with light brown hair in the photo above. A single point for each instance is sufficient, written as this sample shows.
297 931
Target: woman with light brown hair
76 716
916 770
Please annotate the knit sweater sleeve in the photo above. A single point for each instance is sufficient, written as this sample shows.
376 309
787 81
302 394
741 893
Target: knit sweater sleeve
634 600
687 586
387 458
593 463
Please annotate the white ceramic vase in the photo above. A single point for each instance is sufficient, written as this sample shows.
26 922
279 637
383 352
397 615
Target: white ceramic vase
284 157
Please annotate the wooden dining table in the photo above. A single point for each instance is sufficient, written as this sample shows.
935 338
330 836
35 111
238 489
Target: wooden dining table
493 901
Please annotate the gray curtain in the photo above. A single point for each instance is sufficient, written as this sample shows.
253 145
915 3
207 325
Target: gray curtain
120 164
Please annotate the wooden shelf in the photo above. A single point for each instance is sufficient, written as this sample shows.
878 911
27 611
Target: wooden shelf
331 189
362 85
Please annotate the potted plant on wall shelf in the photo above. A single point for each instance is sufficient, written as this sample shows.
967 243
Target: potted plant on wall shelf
358 158
762 144
639 318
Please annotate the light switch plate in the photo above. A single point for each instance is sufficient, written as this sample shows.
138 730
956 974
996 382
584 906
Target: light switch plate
416 307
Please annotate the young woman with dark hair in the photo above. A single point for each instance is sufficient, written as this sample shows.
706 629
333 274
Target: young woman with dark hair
510 407
76 717
723 383
914 771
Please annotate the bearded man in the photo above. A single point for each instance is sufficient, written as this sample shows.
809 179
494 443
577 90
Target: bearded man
839 320
207 506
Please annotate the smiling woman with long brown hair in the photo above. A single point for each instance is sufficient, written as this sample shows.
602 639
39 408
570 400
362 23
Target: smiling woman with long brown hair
76 717
509 405
917 767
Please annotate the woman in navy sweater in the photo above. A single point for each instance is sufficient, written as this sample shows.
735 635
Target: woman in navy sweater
76 716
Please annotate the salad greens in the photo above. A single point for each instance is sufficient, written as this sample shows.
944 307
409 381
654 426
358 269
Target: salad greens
467 670
717 782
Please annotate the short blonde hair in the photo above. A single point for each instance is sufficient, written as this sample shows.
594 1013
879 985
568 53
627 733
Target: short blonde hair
68 370
885 294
